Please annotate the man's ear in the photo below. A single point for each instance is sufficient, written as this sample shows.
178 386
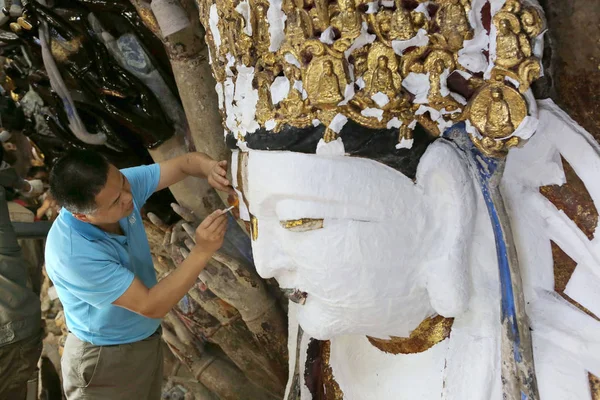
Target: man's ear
81 217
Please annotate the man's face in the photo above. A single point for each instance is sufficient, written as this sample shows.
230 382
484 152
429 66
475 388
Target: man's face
114 201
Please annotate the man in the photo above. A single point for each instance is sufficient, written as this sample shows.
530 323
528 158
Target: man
20 314
98 257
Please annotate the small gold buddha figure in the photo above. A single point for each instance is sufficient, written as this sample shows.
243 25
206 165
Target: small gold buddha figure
262 39
293 106
402 27
454 24
329 86
264 106
508 46
298 26
348 21
382 79
322 13
498 123
435 85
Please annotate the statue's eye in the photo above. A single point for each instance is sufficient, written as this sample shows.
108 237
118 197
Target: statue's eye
302 225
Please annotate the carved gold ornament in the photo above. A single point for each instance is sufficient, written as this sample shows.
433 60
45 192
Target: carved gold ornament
302 62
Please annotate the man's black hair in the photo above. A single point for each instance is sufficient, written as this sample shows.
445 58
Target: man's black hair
77 178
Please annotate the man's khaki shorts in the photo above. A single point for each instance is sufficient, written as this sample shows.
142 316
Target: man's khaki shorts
18 364
125 371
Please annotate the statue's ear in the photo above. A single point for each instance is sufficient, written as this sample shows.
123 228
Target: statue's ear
448 185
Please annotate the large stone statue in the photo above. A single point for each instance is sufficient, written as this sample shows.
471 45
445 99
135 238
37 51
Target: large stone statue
419 254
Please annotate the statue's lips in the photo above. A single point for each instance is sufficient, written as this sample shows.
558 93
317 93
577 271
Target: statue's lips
295 295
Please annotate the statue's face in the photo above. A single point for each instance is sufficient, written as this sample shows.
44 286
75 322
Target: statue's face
328 68
504 27
370 237
496 94
382 62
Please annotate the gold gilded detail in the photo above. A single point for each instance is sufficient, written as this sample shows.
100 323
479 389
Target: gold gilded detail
496 111
302 225
429 333
343 57
594 386
254 227
332 388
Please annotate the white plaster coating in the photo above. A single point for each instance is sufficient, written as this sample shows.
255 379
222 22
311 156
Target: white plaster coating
213 20
422 8
405 144
280 88
372 112
270 124
348 94
244 9
292 345
372 7
419 40
394 123
289 57
333 148
567 341
388 3
418 85
327 36
316 122
417 375
276 18
240 102
471 55
360 82
364 39
220 95
381 99
338 122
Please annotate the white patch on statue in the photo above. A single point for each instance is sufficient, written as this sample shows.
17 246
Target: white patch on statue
372 112
270 124
327 36
419 40
405 144
394 123
388 3
213 21
418 85
338 122
333 148
472 56
423 9
567 341
240 102
459 98
364 39
276 19
244 9
372 7
348 94
360 82
280 88
220 95
290 58
316 122
381 99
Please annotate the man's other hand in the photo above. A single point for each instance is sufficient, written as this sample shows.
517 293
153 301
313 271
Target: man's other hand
217 177
211 232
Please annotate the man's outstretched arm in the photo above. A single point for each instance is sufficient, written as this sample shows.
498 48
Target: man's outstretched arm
157 301
194 164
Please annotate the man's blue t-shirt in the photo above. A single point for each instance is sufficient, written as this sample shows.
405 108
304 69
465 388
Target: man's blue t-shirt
92 268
